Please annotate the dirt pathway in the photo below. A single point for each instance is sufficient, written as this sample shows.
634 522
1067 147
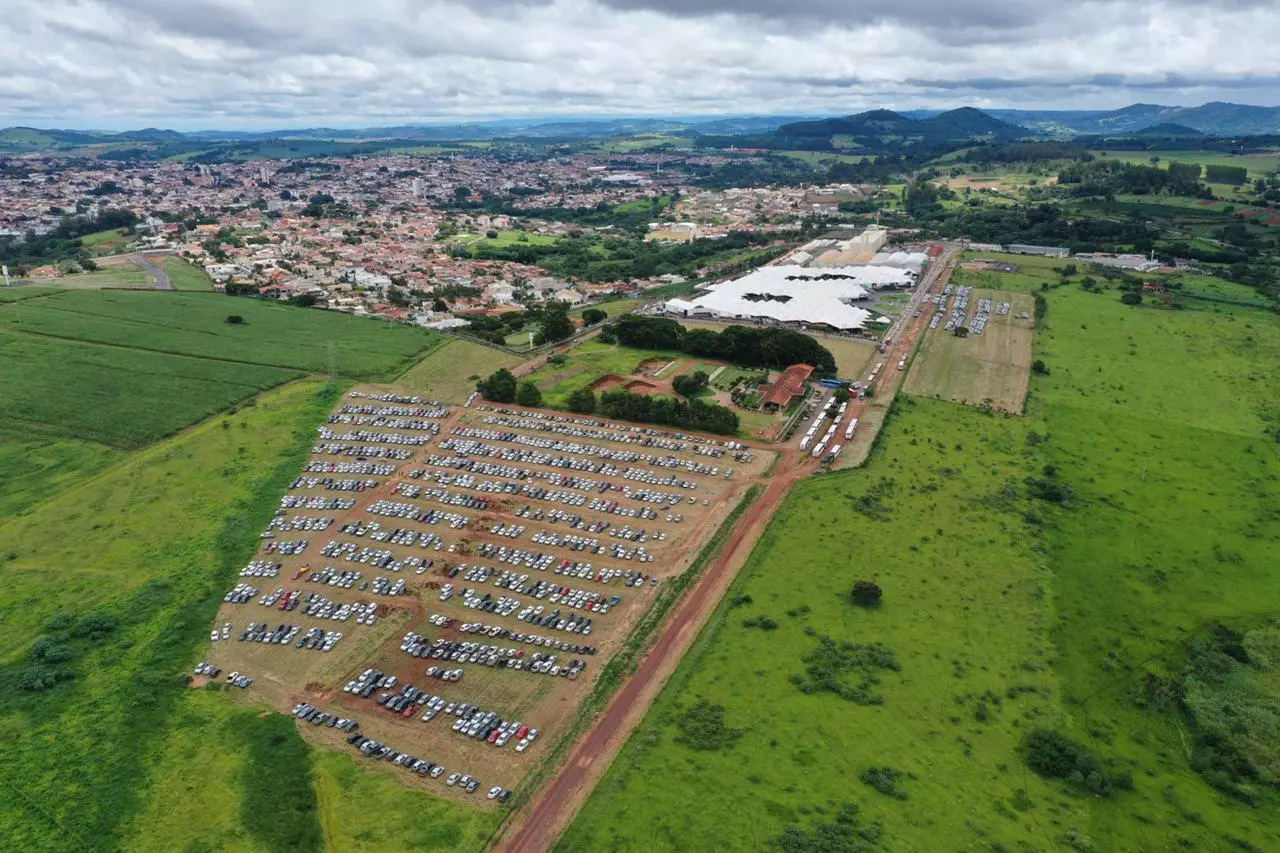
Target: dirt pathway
538 827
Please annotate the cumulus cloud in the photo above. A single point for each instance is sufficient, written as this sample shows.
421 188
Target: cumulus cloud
283 63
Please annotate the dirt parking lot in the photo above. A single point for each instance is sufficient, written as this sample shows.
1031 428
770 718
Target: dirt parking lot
448 505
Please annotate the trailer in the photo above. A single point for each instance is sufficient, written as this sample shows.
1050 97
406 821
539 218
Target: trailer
835 451
817 451
848 433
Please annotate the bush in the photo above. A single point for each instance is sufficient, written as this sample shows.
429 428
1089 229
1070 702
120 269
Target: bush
1038 368
235 319
865 594
689 384
886 780
500 387
702 727
1053 755
830 661
594 315
529 395
1131 297
582 401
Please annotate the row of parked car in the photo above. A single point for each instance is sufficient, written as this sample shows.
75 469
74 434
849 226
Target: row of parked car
285 548
309 713
362 451
378 558
320 466
385 422
374 749
261 569
403 509
500 632
309 523
374 437
316 502
331 484
580 450
619 434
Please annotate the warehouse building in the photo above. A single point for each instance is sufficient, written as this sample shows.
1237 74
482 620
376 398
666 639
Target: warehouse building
794 296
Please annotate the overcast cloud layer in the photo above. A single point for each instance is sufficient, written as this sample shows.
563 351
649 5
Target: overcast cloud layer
292 63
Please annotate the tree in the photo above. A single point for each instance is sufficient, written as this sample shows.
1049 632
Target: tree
500 387
842 394
556 325
439 305
529 395
689 384
865 594
1131 297
962 331
582 401
1038 368
235 319
594 315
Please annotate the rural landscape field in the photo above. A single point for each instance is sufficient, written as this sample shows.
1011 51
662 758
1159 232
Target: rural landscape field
607 426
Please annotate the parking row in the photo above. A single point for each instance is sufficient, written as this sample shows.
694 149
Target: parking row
320 466
500 632
580 449
414 512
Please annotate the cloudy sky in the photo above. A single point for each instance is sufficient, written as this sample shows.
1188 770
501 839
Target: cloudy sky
259 64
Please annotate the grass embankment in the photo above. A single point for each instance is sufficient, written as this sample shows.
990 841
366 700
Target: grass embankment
450 372
185 276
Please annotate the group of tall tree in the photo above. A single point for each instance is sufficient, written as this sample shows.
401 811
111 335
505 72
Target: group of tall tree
743 345
501 387
669 411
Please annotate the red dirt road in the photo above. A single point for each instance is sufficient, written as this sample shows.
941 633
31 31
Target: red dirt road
538 827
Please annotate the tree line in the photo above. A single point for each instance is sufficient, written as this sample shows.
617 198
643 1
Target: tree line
747 346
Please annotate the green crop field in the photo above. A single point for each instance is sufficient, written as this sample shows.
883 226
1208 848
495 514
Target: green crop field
1257 164
185 276
195 324
121 397
38 468
1042 571
148 548
450 372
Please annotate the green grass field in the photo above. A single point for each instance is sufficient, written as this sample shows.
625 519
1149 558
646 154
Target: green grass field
150 545
964 616
1159 428
588 362
38 468
121 397
185 276
107 242
1257 164
450 371
195 324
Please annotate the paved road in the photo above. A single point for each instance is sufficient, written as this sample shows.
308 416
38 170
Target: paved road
161 277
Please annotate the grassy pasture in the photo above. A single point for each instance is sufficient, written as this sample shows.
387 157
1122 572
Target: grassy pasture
1257 164
195 324
185 276
450 372
1162 424
152 543
121 397
107 242
588 362
932 522
988 369
37 468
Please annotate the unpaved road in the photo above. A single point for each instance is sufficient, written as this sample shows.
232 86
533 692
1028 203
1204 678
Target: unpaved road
538 827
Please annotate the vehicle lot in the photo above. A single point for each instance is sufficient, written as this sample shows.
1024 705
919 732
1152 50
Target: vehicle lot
485 563
992 366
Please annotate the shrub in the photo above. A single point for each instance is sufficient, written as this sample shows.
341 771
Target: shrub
886 780
235 319
702 727
828 664
582 401
500 387
1053 755
594 315
529 395
1038 367
865 594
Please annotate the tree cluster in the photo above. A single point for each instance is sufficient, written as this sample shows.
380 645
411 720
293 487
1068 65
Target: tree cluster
690 384
669 411
1053 755
742 345
498 387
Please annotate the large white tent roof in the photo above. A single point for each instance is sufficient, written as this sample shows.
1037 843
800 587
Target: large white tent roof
795 294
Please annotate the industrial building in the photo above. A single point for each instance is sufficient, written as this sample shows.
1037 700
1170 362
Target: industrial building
795 295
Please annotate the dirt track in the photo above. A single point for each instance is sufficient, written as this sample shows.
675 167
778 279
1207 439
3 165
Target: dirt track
540 825
537 827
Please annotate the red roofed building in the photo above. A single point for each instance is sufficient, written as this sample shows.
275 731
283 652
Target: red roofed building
789 386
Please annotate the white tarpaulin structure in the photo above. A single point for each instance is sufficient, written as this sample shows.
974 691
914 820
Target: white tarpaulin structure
794 294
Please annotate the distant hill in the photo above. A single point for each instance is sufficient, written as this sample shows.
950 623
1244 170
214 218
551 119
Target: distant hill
1170 130
1212 119
878 128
